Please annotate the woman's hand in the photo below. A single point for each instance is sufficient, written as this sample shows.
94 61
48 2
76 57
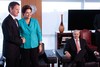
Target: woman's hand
40 48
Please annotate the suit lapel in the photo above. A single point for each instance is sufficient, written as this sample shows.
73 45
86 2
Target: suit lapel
74 45
27 28
13 22
81 43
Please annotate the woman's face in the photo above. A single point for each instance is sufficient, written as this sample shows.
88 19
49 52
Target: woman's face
27 14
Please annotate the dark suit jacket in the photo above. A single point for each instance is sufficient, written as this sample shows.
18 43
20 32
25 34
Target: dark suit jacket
84 53
12 39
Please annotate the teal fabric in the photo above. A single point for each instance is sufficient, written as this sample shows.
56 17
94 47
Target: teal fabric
32 33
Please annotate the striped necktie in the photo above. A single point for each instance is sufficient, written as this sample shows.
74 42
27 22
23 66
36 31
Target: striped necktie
16 22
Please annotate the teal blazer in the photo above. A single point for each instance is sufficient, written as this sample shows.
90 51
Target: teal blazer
32 33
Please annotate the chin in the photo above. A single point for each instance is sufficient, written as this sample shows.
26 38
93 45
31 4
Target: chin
28 18
16 15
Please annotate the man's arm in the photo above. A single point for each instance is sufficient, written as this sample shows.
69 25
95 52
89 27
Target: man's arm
66 49
67 46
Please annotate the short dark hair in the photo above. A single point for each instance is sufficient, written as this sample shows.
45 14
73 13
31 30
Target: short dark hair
12 4
25 7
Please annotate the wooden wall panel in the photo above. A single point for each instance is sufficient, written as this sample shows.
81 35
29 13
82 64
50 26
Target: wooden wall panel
38 4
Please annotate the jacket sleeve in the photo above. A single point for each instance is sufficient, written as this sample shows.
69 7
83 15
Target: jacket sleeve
67 46
39 33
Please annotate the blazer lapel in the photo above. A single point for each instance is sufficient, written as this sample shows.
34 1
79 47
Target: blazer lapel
26 26
30 29
74 45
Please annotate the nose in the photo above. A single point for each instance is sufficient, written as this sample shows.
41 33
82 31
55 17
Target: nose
18 11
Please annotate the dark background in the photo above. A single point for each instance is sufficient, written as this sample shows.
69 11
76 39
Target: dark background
81 19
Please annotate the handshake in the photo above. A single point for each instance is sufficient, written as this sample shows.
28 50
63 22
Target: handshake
23 39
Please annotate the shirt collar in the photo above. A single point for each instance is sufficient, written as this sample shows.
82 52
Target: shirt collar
12 16
75 39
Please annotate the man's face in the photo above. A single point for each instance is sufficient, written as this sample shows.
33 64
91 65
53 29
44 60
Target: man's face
76 34
15 10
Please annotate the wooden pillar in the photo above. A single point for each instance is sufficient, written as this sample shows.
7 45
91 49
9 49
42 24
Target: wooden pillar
38 4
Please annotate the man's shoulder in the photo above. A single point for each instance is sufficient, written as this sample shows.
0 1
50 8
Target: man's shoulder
83 40
6 19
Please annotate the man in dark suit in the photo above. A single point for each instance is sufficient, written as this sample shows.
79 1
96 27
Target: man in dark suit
76 50
12 39
97 30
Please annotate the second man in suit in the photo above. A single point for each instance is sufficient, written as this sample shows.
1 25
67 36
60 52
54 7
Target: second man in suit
77 50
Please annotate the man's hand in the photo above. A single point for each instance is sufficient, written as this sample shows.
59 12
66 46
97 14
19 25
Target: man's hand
23 39
67 54
98 30
96 53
